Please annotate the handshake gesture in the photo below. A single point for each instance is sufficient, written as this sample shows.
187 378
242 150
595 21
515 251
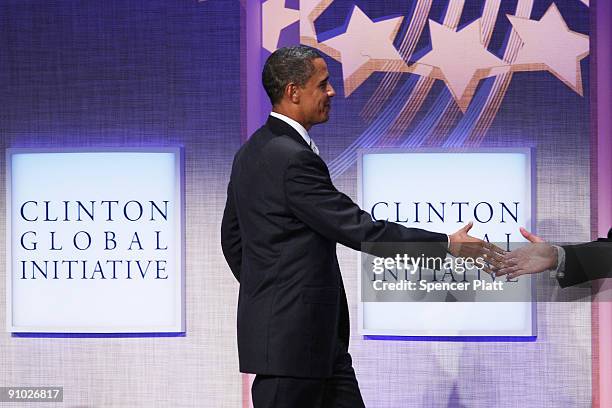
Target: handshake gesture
465 246
534 258
525 260
573 263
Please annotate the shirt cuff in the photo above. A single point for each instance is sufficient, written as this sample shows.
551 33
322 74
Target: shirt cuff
559 271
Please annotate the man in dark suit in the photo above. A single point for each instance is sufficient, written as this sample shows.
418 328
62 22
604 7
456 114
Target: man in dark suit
280 227
573 264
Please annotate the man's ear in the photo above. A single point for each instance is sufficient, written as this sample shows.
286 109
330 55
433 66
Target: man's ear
292 91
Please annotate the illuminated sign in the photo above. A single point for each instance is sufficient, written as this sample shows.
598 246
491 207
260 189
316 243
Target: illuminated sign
441 190
95 240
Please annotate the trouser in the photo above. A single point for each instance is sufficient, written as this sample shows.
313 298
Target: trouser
338 391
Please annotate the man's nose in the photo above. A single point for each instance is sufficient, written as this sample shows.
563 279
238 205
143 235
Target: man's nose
331 92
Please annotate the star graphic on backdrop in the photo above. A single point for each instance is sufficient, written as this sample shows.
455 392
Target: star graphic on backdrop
550 45
274 17
310 10
459 59
366 47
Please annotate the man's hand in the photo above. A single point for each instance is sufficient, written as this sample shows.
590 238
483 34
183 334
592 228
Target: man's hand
533 258
463 245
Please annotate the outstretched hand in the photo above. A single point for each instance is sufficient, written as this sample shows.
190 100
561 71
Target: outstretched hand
463 245
535 257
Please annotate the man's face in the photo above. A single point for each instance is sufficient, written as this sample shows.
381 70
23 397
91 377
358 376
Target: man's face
315 95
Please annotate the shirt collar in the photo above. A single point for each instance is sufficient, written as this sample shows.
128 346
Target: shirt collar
295 125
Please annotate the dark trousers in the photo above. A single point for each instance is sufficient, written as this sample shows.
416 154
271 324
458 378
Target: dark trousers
338 391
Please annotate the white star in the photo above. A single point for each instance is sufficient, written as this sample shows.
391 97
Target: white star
310 10
550 45
366 47
460 59
274 17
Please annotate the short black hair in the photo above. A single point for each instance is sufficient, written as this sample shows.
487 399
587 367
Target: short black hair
286 65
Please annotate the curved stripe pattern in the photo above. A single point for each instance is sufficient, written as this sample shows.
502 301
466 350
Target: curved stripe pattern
390 80
373 133
396 117
502 82
414 104
489 17
393 111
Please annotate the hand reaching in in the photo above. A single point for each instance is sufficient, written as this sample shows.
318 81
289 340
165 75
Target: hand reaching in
535 257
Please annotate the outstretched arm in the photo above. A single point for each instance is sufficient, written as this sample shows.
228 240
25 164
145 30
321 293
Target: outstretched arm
574 264
313 198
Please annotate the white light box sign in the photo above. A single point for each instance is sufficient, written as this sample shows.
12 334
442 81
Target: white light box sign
95 240
441 190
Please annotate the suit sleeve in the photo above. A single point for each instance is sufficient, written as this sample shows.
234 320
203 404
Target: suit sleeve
586 262
313 199
231 242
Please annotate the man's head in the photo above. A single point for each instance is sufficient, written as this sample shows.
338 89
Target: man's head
297 82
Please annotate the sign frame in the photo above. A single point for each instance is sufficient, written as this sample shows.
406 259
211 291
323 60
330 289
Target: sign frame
178 326
529 153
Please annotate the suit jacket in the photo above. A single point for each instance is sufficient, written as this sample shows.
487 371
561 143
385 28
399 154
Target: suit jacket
281 223
587 262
